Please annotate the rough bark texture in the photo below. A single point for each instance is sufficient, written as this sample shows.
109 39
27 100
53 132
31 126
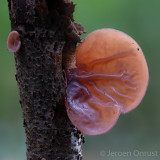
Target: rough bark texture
48 35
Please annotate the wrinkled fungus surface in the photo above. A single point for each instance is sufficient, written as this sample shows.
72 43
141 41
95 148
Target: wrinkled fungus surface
111 78
13 42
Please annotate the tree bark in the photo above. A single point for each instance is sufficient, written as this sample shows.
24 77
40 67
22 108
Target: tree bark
48 39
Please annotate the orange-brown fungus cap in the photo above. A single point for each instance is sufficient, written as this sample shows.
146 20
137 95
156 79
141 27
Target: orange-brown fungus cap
111 78
13 42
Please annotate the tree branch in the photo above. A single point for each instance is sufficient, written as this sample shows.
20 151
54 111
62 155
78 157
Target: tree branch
48 35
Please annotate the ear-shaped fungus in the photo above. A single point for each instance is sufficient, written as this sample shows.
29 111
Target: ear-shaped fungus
13 42
111 78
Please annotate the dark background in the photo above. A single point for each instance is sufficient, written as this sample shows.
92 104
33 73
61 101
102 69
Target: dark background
137 132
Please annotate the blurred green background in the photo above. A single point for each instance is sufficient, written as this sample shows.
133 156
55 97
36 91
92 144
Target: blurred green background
135 132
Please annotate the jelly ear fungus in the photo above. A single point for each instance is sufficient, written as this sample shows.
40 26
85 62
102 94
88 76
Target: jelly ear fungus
111 78
13 42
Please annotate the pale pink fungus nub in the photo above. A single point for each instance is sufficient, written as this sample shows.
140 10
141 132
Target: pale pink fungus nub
13 42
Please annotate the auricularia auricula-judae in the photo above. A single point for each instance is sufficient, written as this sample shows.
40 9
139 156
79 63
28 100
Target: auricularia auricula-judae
111 77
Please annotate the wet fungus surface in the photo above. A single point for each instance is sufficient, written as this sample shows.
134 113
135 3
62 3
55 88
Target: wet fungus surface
111 77
13 42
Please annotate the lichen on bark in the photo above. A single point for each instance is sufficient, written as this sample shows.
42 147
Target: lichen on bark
48 35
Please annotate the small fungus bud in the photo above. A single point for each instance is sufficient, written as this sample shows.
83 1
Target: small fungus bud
111 78
14 42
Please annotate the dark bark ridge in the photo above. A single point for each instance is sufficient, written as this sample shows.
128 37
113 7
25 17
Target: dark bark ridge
47 32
